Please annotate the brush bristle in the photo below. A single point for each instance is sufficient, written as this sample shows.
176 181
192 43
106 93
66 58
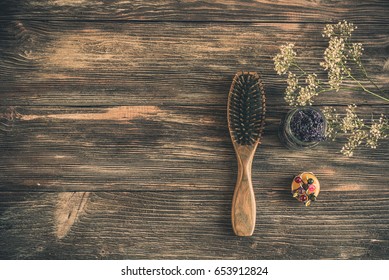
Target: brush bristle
246 108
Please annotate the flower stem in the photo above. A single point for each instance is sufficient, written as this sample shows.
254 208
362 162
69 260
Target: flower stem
366 90
363 69
324 90
301 69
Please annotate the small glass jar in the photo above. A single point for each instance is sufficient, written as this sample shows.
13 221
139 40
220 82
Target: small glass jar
290 140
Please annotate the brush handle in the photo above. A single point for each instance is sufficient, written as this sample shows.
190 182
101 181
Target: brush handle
243 203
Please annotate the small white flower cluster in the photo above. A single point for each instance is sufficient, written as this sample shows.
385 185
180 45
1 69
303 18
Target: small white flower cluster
339 57
354 140
351 122
291 90
341 29
356 51
296 95
335 60
309 91
339 52
357 131
284 59
377 132
333 120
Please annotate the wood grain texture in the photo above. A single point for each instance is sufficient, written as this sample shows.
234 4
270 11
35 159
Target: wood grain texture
114 140
94 63
70 205
220 10
163 148
243 207
196 225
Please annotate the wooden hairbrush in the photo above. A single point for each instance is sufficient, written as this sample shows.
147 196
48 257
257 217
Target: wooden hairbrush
246 119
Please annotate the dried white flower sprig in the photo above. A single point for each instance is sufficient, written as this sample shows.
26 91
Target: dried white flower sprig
357 131
341 57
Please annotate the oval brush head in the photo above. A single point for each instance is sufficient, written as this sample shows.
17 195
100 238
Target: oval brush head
246 118
246 108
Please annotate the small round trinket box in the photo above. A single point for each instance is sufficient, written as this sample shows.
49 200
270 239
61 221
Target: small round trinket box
305 187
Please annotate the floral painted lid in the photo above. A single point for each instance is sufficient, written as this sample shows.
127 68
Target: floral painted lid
305 187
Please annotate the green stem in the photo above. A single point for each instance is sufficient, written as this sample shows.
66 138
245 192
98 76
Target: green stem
366 90
358 62
301 69
324 90
384 128
363 69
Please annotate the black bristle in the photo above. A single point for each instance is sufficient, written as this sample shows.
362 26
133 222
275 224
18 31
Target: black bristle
246 109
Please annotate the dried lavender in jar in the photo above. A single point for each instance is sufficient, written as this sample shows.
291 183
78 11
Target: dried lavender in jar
303 128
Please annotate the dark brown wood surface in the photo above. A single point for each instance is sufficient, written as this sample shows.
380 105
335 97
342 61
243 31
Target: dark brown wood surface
114 140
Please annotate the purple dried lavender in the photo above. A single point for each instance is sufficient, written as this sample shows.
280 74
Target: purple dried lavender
308 125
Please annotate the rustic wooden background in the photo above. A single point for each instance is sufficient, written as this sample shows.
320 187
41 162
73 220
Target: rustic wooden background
114 140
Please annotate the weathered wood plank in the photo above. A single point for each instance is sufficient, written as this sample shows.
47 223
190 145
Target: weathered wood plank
124 102
196 225
220 10
69 206
162 148
73 63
